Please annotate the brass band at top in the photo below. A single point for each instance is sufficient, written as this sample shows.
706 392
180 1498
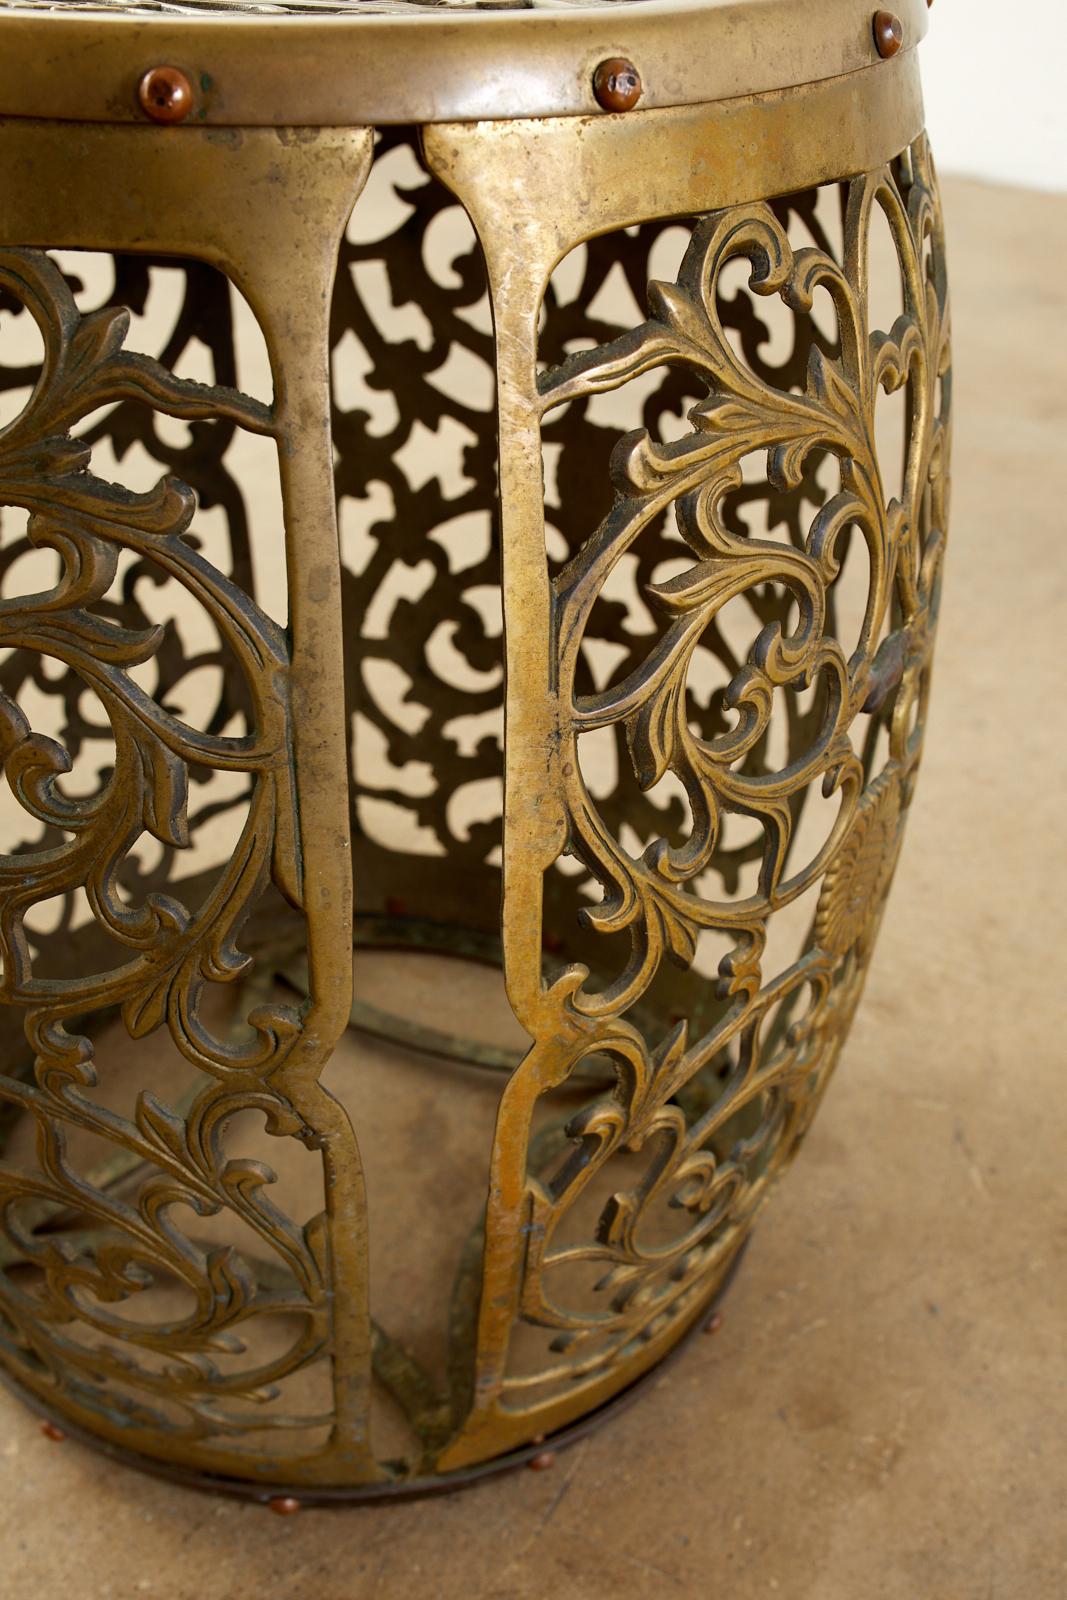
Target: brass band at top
361 63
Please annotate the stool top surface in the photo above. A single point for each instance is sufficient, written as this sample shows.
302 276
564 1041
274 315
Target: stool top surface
295 8
319 63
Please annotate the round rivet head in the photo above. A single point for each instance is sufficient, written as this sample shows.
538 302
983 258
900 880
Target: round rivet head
714 1322
542 1461
165 94
284 1505
888 34
52 1431
617 84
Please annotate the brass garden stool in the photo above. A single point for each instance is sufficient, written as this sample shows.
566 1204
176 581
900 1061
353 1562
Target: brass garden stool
473 486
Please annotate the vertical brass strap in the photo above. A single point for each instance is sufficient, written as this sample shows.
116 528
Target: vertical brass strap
519 258
294 311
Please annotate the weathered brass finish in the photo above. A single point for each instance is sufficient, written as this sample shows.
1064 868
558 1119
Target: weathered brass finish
366 61
712 734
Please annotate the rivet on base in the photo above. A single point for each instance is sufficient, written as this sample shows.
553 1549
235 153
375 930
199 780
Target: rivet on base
284 1505
617 84
52 1431
165 94
714 1322
888 34
542 1461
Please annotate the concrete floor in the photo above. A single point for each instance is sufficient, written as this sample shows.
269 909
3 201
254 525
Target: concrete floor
883 1415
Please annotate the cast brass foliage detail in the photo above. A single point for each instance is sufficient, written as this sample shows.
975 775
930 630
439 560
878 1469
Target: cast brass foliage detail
743 414
606 1233
78 1320
859 874
712 1116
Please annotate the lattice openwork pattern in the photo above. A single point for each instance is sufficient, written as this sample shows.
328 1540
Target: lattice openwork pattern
744 443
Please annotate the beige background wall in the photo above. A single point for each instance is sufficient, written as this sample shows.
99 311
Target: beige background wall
993 85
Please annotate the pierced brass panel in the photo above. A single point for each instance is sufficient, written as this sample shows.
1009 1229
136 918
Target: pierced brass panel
608 678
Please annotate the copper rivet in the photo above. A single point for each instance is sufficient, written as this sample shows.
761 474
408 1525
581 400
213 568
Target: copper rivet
888 33
165 94
542 1461
714 1323
284 1505
617 84
51 1431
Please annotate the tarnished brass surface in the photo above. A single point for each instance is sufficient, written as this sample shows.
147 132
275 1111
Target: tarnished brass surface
704 715
435 64
769 1079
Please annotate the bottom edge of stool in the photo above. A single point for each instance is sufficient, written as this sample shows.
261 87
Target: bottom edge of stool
299 1496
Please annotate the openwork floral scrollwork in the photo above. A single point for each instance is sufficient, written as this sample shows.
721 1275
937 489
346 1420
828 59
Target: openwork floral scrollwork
696 741
681 1152
78 1318
742 414
45 470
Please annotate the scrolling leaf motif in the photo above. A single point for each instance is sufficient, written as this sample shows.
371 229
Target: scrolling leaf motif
87 522
435 705
711 1158
742 414
63 1325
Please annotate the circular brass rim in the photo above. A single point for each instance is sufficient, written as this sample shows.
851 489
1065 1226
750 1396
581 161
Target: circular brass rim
316 1495
443 65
